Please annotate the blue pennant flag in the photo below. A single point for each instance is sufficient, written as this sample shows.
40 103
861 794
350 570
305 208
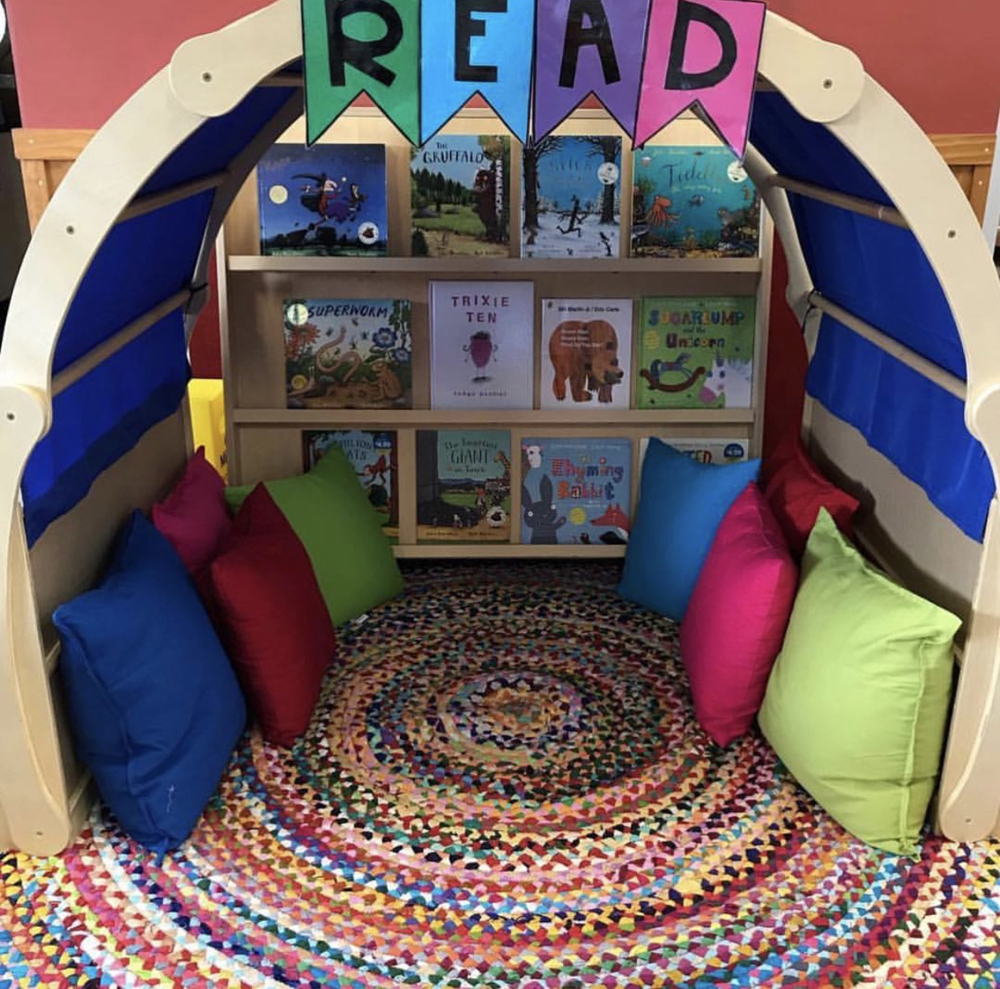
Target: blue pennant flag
471 46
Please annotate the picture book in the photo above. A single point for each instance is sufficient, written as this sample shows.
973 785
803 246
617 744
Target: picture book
373 456
571 197
348 353
460 196
463 486
586 353
575 491
482 345
695 353
705 451
693 202
323 201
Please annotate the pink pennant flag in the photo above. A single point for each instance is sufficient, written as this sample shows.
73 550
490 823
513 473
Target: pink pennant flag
701 51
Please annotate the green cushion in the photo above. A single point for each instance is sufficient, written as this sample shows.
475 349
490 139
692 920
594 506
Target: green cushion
236 495
858 698
330 513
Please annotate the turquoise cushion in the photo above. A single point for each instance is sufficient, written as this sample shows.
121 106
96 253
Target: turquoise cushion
153 702
681 504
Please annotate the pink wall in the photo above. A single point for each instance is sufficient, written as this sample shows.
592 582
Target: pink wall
77 60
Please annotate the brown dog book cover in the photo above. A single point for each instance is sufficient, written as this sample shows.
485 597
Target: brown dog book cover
586 353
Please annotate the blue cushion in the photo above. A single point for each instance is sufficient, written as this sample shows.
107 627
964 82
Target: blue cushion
681 505
153 702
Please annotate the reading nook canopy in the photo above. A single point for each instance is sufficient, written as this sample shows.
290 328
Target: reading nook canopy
881 242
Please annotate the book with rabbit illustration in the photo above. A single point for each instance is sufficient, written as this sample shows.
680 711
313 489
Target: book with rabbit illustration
463 486
372 454
693 202
586 354
482 345
695 352
348 353
575 491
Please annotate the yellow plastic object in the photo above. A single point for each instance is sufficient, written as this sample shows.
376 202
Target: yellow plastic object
208 421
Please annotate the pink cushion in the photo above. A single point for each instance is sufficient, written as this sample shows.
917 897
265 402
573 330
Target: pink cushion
796 490
735 622
193 518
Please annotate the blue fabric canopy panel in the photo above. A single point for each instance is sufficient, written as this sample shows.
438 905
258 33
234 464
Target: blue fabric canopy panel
909 419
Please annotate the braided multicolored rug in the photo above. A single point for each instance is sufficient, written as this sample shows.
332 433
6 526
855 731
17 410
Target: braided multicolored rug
504 786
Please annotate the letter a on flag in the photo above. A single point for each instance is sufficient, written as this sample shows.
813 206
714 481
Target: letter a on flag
701 52
362 46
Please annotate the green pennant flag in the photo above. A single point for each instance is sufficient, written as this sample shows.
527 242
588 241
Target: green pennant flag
357 46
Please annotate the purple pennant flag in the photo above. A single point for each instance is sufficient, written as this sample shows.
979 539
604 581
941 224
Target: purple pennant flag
583 47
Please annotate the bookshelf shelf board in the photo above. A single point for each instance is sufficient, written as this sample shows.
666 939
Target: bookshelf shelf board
491 266
500 550
484 418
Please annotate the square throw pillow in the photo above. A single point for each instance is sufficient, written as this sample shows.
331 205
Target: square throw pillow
681 505
858 698
796 490
153 702
736 618
272 618
351 557
193 518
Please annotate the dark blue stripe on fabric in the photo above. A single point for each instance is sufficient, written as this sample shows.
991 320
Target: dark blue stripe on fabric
879 273
101 417
914 423
214 145
807 151
141 263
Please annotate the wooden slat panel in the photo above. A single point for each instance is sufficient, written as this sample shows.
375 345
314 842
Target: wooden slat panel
44 144
965 149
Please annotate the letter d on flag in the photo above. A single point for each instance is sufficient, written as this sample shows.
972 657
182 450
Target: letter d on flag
701 51
362 46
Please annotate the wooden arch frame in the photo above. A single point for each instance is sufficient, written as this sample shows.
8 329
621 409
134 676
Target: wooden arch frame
207 77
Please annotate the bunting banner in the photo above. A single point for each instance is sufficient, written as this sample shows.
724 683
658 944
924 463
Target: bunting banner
647 61
584 47
702 52
475 46
362 46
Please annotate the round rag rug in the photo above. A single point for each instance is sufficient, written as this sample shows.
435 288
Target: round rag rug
504 785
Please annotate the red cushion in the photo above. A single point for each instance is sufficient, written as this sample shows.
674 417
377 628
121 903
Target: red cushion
193 518
796 490
736 618
272 618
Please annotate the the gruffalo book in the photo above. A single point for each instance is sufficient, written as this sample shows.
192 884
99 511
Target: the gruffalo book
463 486
586 354
693 202
576 491
323 201
571 197
372 454
460 196
695 352
348 353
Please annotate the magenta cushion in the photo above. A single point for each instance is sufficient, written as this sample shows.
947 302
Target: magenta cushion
735 622
194 518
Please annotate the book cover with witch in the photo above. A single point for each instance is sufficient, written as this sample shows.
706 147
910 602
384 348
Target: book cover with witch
372 454
571 197
695 353
460 196
348 353
693 202
463 486
323 201
575 491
